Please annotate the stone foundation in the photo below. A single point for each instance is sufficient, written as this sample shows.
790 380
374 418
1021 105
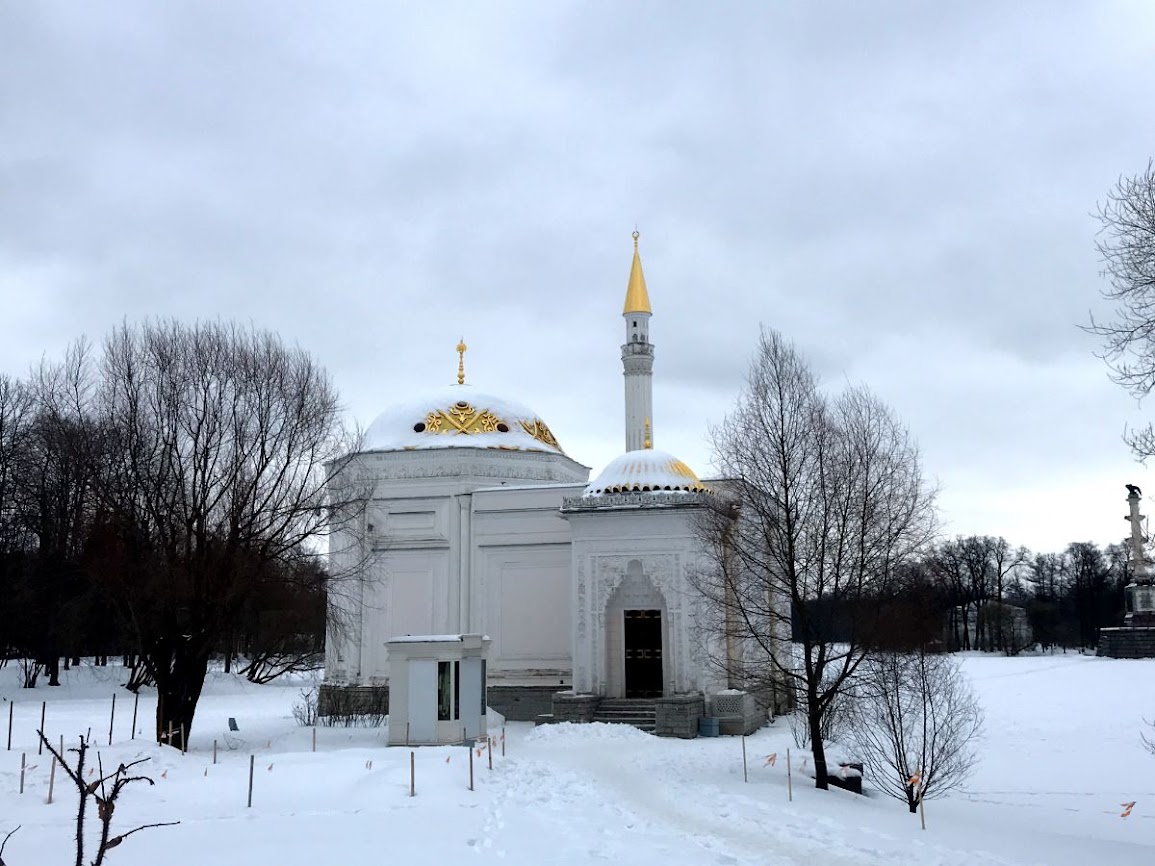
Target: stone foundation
1127 643
521 703
677 716
568 707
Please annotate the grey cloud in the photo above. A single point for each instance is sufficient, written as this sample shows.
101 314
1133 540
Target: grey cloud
373 181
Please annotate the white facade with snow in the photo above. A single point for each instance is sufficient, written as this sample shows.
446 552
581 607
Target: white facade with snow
478 522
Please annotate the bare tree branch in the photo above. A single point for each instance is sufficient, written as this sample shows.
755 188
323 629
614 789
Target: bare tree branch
9 835
822 503
915 717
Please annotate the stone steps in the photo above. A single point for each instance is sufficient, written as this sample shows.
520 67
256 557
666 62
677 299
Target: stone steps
642 714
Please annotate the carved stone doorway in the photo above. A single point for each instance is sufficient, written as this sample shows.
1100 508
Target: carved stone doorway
643 653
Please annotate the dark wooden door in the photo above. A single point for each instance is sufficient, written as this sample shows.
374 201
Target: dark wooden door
643 641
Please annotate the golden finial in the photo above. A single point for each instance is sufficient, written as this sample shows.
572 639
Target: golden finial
648 443
637 298
461 347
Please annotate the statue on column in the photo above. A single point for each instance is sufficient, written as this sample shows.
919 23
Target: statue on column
1140 593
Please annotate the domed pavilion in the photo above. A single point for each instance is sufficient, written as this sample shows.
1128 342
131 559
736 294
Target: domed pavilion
480 523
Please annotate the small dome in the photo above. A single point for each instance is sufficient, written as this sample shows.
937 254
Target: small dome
646 471
460 417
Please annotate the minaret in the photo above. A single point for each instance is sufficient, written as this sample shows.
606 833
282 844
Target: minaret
638 358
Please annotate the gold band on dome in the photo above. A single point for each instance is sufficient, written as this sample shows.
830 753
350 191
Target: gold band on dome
640 478
464 419
461 418
537 429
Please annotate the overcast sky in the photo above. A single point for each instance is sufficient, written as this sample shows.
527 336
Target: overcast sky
903 189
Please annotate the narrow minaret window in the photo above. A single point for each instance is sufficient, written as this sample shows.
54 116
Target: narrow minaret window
637 357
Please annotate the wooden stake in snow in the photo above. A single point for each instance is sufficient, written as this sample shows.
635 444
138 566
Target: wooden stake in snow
111 718
489 745
252 764
503 741
745 775
43 709
135 704
23 762
214 751
789 780
921 813
412 776
183 740
51 780
11 706
470 765
314 738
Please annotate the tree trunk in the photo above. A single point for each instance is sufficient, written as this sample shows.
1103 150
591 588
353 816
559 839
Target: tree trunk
911 802
817 747
178 687
52 668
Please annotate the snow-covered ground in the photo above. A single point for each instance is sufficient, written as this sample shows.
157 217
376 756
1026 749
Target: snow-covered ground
1060 755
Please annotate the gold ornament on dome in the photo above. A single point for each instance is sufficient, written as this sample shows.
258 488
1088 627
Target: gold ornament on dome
537 429
462 418
461 349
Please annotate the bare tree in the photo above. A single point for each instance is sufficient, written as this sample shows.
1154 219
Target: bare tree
915 721
1126 246
218 443
15 411
55 505
105 790
824 503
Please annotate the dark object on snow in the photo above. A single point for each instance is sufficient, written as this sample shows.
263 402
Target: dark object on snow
1133 488
846 779
233 724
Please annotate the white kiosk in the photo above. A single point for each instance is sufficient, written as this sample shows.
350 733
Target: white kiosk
437 689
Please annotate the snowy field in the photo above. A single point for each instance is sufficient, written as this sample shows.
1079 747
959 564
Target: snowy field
1060 754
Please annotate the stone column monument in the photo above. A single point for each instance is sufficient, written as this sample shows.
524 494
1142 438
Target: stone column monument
1140 593
1136 638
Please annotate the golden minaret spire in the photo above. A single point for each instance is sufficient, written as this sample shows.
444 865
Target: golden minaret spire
637 298
461 347
638 358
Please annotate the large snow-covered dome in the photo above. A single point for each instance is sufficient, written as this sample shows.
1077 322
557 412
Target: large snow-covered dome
645 471
460 417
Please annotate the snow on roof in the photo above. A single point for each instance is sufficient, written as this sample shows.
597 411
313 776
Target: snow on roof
460 416
434 638
425 638
647 470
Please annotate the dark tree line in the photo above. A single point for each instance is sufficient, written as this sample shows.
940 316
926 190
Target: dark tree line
979 592
165 499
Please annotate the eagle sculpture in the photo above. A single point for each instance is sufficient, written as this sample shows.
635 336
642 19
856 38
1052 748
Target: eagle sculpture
1133 489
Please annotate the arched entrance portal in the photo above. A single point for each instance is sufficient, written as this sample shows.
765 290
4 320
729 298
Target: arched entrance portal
636 637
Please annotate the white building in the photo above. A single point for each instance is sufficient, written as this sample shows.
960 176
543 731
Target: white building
479 522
